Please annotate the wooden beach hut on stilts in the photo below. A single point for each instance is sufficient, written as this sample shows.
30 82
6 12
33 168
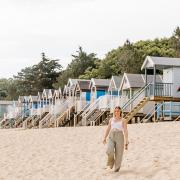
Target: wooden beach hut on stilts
166 94
131 84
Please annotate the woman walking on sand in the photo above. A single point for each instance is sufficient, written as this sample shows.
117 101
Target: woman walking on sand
118 139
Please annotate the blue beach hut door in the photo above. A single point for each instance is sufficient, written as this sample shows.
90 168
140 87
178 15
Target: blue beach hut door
88 96
100 93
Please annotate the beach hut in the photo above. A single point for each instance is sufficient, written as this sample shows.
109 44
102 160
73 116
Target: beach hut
82 90
8 112
47 96
47 99
168 91
98 87
41 103
51 96
171 74
40 100
33 104
132 83
57 95
114 85
7 108
70 88
23 105
82 93
65 91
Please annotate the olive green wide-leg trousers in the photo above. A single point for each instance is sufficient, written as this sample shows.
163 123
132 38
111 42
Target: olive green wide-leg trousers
115 149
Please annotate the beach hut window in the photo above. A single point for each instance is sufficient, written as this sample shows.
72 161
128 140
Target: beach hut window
3 110
35 105
93 89
100 93
115 93
88 96
78 95
128 94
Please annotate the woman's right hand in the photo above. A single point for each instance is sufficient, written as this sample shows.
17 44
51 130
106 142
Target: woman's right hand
104 141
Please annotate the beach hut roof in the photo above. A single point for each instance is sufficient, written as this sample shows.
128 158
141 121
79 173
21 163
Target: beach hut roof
57 93
40 95
66 89
46 93
52 90
71 85
100 82
117 81
138 80
160 62
83 84
72 82
22 99
46 90
33 98
50 93
26 98
60 91
135 80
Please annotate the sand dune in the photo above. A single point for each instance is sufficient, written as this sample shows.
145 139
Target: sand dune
78 153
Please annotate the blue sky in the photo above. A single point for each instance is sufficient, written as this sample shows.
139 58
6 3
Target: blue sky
58 27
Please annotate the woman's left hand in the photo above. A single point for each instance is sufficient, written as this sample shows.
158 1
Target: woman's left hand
126 146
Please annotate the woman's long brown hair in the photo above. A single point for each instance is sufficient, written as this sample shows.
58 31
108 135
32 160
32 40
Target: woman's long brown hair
118 107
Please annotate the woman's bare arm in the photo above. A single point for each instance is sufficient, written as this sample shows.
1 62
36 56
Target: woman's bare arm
125 132
107 131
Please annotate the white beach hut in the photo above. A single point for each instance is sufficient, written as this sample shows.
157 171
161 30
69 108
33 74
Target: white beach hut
168 92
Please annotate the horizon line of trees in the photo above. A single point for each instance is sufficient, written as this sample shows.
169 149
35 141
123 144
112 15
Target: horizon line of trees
48 73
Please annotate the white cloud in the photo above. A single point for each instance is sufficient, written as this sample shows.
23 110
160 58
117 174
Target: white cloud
58 27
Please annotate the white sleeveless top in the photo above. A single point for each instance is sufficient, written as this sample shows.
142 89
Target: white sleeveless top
117 124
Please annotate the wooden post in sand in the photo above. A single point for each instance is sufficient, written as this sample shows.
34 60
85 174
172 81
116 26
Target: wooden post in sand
74 121
138 119
133 120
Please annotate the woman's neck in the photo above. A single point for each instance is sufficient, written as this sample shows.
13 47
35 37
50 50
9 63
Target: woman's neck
117 117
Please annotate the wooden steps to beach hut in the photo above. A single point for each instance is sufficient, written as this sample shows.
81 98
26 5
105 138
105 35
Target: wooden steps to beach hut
19 121
95 120
44 121
100 117
3 122
77 118
27 121
106 120
67 117
33 121
177 119
7 123
61 118
134 111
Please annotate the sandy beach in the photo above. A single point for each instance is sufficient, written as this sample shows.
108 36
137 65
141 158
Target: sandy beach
78 153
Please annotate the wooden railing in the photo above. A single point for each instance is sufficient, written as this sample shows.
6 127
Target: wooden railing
160 89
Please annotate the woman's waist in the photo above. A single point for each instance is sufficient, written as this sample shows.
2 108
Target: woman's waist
116 130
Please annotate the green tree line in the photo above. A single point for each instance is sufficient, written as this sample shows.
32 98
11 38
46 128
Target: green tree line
48 73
